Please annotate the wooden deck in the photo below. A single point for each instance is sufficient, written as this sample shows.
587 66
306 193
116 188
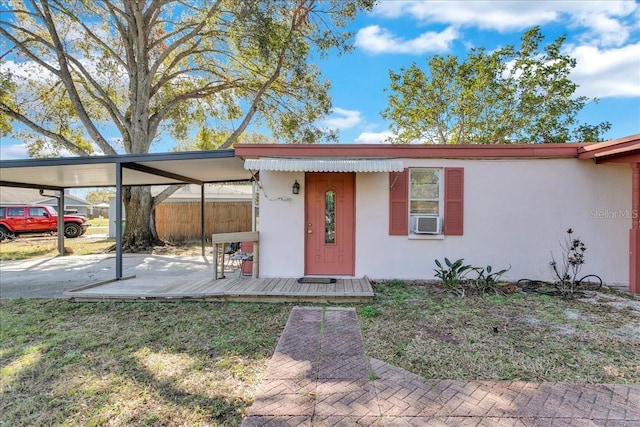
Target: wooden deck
237 289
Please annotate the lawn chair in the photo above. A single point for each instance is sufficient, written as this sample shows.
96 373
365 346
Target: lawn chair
246 265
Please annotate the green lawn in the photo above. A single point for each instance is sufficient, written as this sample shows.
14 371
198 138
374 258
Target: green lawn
526 337
133 364
170 364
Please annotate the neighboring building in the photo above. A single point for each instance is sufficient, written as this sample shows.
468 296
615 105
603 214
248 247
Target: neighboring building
389 211
28 196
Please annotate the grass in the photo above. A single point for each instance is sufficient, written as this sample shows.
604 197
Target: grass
121 364
99 222
44 246
75 364
523 337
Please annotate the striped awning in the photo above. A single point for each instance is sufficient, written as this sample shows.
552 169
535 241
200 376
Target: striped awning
324 165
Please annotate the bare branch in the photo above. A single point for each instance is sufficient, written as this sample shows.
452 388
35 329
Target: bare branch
182 40
45 132
67 80
164 194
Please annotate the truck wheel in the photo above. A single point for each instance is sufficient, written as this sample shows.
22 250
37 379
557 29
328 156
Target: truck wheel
72 230
4 233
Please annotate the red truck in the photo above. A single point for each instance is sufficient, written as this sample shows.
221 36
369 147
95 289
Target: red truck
24 219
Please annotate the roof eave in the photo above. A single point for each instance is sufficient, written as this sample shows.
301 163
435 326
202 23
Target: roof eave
370 151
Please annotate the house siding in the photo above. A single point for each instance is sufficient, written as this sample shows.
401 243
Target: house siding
516 212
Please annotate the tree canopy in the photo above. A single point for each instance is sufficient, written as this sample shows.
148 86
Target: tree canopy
509 95
114 76
96 197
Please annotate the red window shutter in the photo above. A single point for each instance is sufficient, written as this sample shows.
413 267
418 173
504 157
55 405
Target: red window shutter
399 203
453 201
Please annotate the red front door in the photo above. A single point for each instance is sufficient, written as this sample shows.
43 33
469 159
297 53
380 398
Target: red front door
330 224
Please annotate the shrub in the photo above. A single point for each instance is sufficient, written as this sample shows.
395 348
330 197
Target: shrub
573 249
454 277
453 273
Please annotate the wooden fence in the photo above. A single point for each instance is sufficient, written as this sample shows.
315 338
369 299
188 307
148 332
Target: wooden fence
180 221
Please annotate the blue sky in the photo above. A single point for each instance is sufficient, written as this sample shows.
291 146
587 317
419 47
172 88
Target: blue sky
604 37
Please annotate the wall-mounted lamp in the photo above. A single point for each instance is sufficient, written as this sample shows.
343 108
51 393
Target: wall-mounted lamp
296 187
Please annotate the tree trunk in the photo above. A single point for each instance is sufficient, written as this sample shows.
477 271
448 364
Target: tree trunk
140 231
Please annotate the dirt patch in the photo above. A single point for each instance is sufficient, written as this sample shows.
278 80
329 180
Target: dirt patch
440 336
630 305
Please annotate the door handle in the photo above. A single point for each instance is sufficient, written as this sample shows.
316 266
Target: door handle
309 231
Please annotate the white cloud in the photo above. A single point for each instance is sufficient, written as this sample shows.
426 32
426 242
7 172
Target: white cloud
604 30
374 137
607 72
498 15
346 119
20 151
13 152
379 40
26 70
607 22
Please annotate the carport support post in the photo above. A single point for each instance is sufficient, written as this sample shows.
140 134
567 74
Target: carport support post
634 232
61 223
202 237
118 221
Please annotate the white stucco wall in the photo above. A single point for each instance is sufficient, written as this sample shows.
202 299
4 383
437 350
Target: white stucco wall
516 213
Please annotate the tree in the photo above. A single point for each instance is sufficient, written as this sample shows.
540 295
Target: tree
99 196
130 71
212 139
509 95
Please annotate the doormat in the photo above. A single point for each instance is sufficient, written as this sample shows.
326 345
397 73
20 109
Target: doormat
325 280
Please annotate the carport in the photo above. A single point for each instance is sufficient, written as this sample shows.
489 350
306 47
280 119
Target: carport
58 174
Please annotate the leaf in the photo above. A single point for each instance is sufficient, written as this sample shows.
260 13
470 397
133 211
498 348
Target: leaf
513 94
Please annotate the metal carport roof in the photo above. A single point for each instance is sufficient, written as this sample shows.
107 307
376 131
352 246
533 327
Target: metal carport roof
195 167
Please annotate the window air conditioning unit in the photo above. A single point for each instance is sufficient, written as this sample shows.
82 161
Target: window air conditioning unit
427 225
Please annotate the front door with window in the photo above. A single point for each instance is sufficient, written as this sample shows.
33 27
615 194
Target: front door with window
330 224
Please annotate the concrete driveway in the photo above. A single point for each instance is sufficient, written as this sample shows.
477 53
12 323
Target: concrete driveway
51 277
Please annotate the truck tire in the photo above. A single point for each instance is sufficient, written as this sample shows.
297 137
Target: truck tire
72 230
4 233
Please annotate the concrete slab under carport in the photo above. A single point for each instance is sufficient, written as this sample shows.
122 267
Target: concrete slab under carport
51 277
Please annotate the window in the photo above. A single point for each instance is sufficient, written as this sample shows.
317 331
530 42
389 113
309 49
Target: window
424 201
3 212
37 212
15 211
330 217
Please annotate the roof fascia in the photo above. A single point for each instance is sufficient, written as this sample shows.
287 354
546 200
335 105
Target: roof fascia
631 158
245 151
123 158
627 147
31 186
627 141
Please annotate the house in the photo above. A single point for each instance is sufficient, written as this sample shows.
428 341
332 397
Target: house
28 196
389 211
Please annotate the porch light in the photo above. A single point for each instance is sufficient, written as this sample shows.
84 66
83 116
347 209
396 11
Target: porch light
296 187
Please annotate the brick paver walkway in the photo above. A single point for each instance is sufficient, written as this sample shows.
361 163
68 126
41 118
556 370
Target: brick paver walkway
319 376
